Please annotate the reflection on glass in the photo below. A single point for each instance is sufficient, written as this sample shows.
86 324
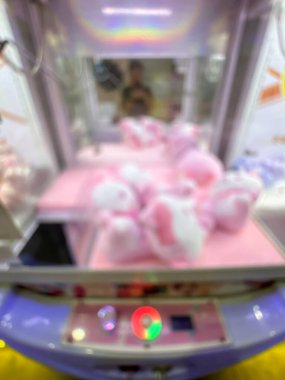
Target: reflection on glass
139 87
98 93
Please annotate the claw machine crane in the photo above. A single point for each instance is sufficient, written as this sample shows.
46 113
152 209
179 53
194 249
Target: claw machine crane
142 256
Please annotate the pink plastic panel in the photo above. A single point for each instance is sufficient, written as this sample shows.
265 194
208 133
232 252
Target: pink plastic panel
208 327
247 248
65 192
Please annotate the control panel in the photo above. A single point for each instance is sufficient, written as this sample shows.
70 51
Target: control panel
132 325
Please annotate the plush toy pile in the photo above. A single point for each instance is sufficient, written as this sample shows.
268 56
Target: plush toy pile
170 212
14 178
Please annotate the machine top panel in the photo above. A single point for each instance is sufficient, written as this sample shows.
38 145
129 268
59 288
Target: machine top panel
142 29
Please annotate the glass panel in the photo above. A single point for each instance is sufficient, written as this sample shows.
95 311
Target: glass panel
142 200
98 50
99 93
138 87
27 163
259 142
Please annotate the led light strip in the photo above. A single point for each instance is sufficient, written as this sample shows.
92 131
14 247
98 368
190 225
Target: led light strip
163 12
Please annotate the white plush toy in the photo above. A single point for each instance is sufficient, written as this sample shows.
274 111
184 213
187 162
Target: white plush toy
122 238
172 229
113 194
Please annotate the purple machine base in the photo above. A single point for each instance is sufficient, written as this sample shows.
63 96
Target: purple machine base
35 326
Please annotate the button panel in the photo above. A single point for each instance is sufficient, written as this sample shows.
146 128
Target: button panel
129 325
146 323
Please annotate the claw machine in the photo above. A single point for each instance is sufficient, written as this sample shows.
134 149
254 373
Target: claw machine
146 257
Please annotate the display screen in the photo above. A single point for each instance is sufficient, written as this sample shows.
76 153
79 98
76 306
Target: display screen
181 323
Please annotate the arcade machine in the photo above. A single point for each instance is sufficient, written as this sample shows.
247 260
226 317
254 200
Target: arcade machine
118 262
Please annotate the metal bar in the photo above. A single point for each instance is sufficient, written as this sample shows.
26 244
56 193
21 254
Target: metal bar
261 8
15 10
250 90
224 92
71 275
60 117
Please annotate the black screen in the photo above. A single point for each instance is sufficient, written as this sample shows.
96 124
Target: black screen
181 323
47 246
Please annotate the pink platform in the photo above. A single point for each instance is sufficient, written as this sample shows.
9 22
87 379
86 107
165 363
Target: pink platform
65 193
70 194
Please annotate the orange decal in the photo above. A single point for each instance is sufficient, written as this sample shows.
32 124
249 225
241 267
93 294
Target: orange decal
274 91
274 73
270 93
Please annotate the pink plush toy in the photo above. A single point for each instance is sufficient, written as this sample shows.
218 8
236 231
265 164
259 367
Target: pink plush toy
171 228
155 127
232 199
142 132
122 238
182 138
201 167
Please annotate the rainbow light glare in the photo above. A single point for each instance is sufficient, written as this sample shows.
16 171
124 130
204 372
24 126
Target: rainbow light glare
127 26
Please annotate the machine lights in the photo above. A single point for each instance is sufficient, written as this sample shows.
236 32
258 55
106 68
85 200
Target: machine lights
162 12
146 323
257 312
78 334
108 318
